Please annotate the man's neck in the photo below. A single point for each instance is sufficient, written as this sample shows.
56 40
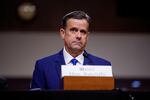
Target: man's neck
73 53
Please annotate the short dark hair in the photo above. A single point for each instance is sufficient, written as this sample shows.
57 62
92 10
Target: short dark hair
75 15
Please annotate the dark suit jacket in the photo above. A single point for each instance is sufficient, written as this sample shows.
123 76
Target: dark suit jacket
47 72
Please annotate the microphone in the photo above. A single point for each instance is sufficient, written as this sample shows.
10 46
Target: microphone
85 54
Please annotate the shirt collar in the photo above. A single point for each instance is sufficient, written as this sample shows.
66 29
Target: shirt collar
68 57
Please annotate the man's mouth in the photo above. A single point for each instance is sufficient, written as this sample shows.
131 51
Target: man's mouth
76 42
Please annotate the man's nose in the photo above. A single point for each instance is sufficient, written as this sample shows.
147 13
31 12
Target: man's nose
78 36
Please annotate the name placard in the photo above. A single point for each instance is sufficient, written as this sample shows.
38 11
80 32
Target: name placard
87 70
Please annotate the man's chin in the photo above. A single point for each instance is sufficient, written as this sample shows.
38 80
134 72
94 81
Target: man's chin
77 49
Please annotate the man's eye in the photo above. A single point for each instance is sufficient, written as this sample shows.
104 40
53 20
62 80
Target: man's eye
83 32
73 30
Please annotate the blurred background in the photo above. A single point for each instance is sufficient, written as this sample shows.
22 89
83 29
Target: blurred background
120 33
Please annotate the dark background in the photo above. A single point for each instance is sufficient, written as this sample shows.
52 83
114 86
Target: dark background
107 15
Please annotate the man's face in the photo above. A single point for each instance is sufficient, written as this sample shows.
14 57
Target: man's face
75 35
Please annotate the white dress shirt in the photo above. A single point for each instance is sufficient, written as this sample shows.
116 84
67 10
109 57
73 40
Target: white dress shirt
68 58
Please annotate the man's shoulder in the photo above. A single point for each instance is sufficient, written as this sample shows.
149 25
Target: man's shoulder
98 60
50 58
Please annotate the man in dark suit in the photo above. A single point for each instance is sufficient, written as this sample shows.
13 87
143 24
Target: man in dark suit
75 32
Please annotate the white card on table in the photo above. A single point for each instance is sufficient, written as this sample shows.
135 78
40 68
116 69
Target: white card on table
87 70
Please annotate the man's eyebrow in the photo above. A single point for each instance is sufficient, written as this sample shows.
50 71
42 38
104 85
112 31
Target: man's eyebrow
73 28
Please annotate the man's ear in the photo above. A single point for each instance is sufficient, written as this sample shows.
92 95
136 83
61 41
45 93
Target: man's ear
62 33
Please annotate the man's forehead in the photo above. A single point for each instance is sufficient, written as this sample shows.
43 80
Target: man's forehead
77 23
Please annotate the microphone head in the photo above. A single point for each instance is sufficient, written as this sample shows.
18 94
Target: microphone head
85 54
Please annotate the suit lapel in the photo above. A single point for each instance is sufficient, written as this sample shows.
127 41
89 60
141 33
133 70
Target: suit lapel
58 62
60 58
87 61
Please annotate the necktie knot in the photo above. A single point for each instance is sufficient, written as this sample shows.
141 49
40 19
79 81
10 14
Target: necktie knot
74 61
